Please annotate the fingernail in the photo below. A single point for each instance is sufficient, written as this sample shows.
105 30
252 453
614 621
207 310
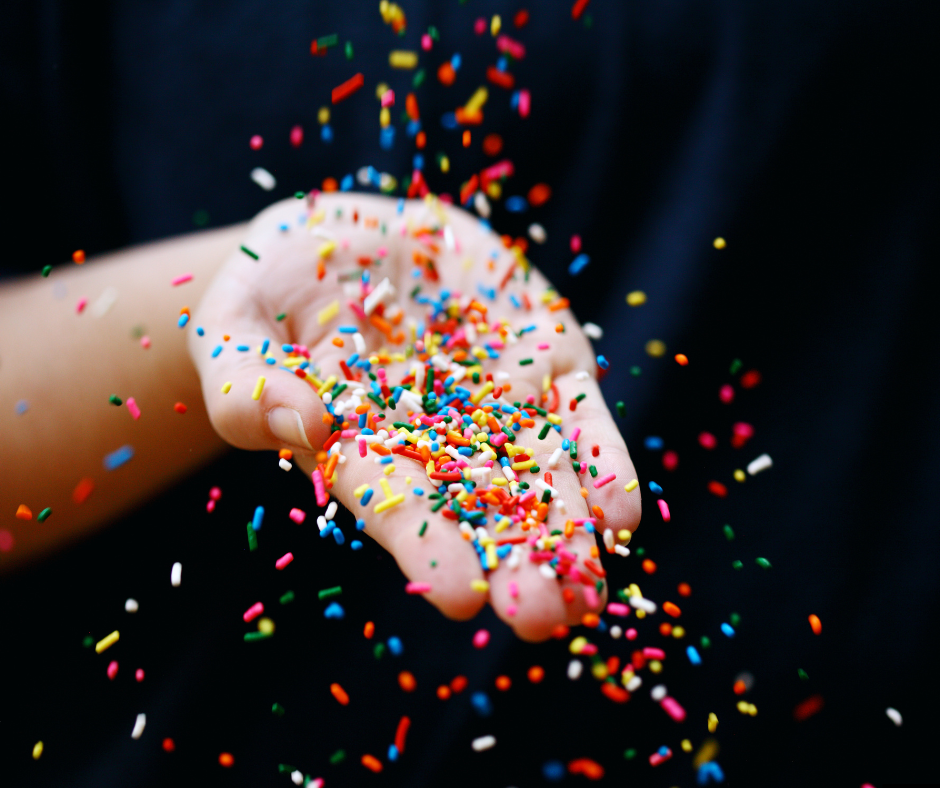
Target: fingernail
287 426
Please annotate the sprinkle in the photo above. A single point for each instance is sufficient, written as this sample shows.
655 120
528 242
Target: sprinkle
226 387
131 605
328 312
297 515
37 750
578 264
403 59
762 463
132 407
604 480
43 515
118 457
284 560
480 586
259 387
815 624
483 743
139 726
631 485
176 574
894 715
251 254
417 588
253 612
663 509
263 178
636 298
182 279
372 763
107 642
340 694
349 87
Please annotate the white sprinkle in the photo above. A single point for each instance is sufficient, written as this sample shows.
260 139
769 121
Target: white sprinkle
574 669
593 330
362 175
762 463
285 465
658 692
547 572
297 777
582 375
360 344
483 743
634 684
330 512
537 233
139 726
104 302
553 460
321 522
643 604
616 632
561 506
609 539
894 715
481 204
621 550
263 178
374 298
449 242
543 487
131 606
176 574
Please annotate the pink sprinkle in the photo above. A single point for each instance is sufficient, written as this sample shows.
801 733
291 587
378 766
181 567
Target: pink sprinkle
575 434
511 610
589 649
525 103
481 638
145 342
254 611
654 653
510 47
388 98
80 306
139 674
417 588
631 634
357 310
583 467
284 560
726 394
182 280
604 480
297 515
663 509
590 597
479 27
575 243
617 609
513 589
215 493
670 460
707 441
210 506
426 42
320 488
672 708
543 346
297 136
362 447
132 407
112 669
256 142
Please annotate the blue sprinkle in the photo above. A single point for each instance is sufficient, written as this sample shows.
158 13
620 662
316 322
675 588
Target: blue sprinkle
258 518
347 183
184 319
242 348
326 133
265 345
601 625
449 120
728 630
355 544
578 264
400 208
709 772
653 443
283 227
287 348
515 301
602 362
565 444
589 528
338 535
271 361
334 610
664 751
367 496
392 753
216 351
348 329
413 127
395 646
200 331
387 460
514 100
693 655
481 704
455 61
417 162
501 64
516 204
118 457
21 407
656 488
553 771
375 178
418 491
387 137
360 524
327 529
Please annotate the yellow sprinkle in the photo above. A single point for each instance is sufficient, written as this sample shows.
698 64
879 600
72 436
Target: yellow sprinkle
476 102
719 243
328 312
656 348
499 481
315 380
407 480
631 485
316 218
323 115
495 24
266 626
386 488
360 490
107 642
655 665
475 399
678 632
634 590
381 89
548 296
492 560
326 248
742 706
480 586
546 384
327 385
445 164
259 387
334 478
385 117
599 671
389 469
503 524
712 722
402 58
624 535
227 387
37 750
739 475
577 644
636 298
388 503
686 745
553 418
640 613
293 361
522 466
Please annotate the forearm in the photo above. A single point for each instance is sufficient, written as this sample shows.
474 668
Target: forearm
64 366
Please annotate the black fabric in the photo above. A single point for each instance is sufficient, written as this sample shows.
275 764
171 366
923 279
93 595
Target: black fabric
802 133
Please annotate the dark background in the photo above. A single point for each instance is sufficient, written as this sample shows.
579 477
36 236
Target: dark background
805 135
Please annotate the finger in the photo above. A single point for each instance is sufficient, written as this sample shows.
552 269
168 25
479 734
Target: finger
600 444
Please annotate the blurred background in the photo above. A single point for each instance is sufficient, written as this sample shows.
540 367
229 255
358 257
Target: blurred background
799 132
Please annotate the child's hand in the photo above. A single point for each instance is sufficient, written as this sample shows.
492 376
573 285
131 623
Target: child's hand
245 301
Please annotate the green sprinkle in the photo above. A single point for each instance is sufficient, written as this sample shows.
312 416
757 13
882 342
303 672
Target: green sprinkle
534 469
435 496
541 411
284 768
391 403
418 79
329 593
573 450
630 754
546 496
424 527
338 757
299 195
524 485
640 551
802 674
592 469
252 539
599 586
508 432
378 651
433 564
705 642
339 390
735 619
763 563
636 371
287 598
88 641
432 31
349 50
623 595
737 564
277 709
252 255
543 433
556 531
114 399
580 396
41 517
46 270
281 316
576 465
439 505
524 362
376 400
729 532
327 41
250 637
476 377
621 410
735 366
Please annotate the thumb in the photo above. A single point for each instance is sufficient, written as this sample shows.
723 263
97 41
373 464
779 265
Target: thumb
253 404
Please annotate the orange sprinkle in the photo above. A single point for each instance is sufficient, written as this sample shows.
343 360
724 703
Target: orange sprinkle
340 694
568 595
598 512
740 687
329 185
401 732
561 303
539 194
592 769
338 341
590 620
503 683
368 630
446 74
536 674
79 256
372 763
443 692
23 512
421 140
285 454
584 492
670 609
492 144
407 681
459 684
364 408
466 138
681 359
82 490
226 759
816 624
665 629
649 566
685 589
560 631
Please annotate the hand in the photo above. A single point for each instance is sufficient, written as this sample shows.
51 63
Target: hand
314 265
